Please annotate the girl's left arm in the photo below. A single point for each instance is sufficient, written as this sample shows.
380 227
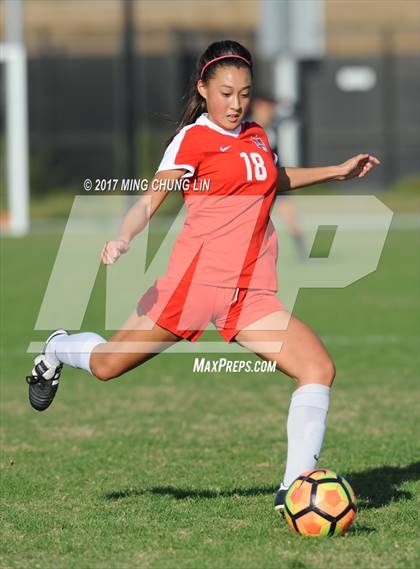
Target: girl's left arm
294 178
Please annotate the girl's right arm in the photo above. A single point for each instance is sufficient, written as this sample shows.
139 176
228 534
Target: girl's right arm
138 216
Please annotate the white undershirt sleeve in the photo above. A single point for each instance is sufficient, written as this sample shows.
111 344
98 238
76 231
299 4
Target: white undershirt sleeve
180 154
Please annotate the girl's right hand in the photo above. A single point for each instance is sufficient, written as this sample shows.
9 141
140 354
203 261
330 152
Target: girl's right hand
112 250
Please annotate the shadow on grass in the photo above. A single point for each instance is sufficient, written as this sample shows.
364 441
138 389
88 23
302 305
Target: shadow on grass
185 494
378 487
374 488
357 530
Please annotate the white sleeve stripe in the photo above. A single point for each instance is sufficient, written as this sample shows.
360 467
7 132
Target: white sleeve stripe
276 159
173 166
168 160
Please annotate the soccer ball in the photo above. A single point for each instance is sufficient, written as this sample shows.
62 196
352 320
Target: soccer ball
320 502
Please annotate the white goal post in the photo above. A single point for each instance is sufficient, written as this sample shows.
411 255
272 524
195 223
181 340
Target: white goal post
13 57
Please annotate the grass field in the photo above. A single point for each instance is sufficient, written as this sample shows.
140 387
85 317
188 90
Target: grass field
163 468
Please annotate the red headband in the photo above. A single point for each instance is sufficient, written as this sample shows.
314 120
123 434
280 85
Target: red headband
223 57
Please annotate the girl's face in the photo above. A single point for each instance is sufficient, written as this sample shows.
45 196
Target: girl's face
227 95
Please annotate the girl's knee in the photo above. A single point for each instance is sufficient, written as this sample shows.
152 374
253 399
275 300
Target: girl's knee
330 373
102 369
322 372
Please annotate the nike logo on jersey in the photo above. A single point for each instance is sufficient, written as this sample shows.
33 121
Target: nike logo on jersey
224 148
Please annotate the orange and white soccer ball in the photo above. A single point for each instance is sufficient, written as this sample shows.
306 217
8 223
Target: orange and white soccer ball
320 503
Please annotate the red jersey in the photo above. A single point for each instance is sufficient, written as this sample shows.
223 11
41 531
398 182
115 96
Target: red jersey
228 238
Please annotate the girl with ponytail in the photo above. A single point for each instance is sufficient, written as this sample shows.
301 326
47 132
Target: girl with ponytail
223 265
218 54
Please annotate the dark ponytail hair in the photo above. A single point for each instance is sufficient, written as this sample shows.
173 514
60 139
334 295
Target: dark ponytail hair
196 104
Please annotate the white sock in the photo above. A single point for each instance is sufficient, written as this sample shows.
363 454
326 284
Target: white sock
73 349
306 425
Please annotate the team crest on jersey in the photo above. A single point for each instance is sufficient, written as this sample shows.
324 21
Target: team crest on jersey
259 142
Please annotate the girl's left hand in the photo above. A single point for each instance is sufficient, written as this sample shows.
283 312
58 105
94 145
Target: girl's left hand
358 166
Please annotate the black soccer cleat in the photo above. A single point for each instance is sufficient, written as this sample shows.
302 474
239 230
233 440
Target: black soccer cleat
44 379
279 501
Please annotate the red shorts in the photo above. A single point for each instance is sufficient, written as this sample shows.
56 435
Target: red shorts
185 309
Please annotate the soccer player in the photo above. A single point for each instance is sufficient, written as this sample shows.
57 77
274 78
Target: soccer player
223 265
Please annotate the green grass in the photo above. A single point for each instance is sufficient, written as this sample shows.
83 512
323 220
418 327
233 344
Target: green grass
162 468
